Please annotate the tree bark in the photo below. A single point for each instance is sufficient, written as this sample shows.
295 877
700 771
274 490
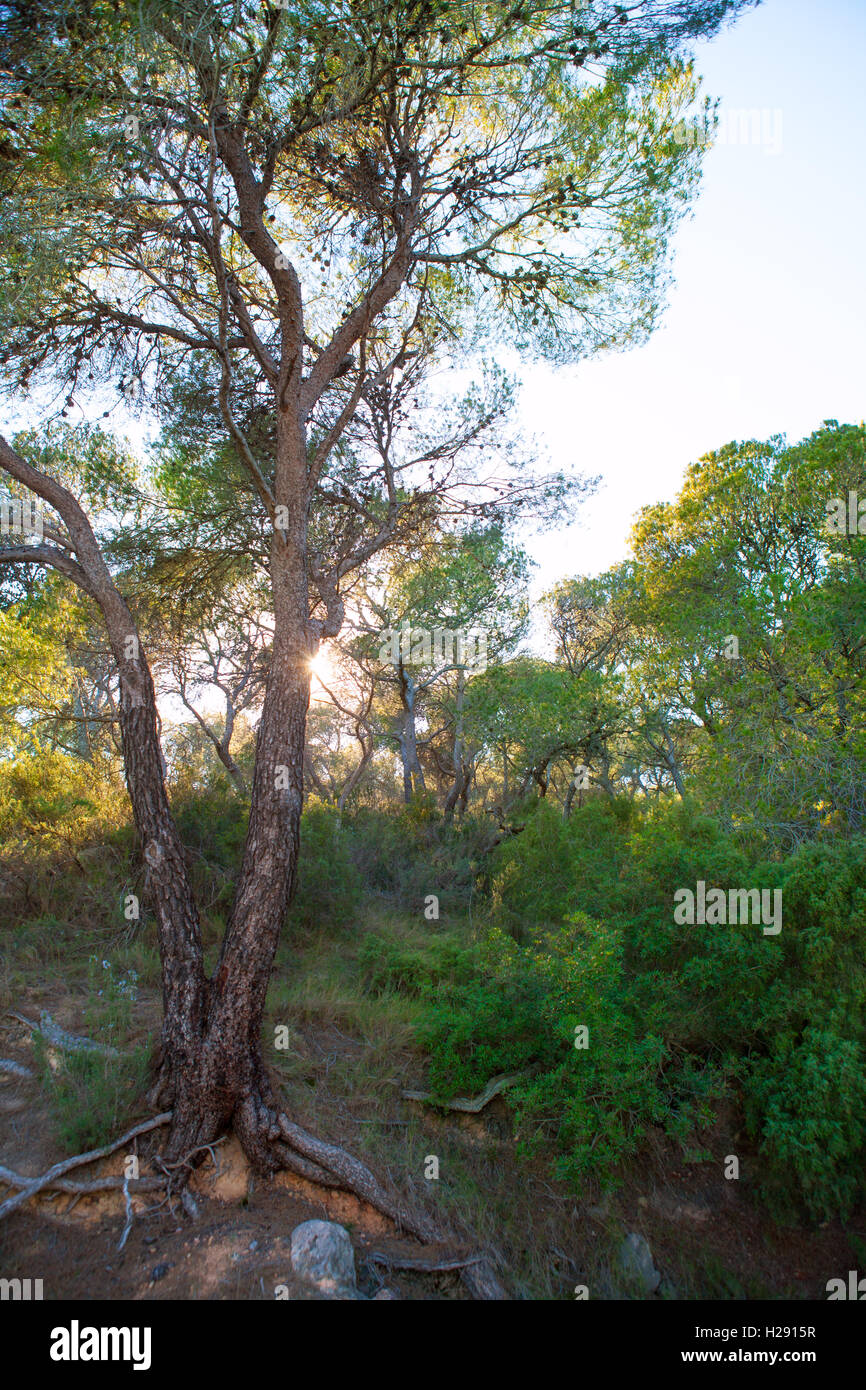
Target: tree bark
413 774
354 778
673 764
459 788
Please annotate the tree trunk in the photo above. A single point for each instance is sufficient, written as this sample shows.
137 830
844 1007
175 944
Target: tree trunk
413 774
209 1066
354 778
82 732
673 764
227 1081
184 987
223 750
459 788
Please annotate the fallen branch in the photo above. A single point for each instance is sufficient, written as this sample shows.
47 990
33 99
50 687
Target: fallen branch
56 1036
432 1266
35 1185
469 1105
14 1068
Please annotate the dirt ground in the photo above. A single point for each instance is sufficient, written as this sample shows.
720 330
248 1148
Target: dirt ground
708 1238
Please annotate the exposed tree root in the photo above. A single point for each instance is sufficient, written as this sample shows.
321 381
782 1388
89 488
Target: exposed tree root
349 1173
271 1141
83 1187
474 1104
34 1185
14 1068
355 1177
431 1266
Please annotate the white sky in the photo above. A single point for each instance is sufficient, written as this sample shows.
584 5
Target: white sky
765 325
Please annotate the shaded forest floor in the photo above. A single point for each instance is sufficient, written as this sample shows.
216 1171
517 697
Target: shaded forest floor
346 1059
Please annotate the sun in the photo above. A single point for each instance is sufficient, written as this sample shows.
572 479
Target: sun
323 669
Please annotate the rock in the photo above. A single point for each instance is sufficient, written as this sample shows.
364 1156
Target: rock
384 1294
159 1272
188 1203
636 1262
322 1254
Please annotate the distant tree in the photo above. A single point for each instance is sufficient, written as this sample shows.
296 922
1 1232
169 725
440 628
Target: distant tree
443 613
748 614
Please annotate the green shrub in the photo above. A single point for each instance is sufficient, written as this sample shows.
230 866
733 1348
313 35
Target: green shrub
390 966
523 1012
676 1014
92 1098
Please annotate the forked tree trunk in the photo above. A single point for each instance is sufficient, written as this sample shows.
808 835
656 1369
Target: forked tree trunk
210 1069
223 1080
209 1066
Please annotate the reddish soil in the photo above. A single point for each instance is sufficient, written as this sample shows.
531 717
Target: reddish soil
706 1234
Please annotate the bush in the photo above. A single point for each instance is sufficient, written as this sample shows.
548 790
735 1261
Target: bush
389 966
676 1014
525 1011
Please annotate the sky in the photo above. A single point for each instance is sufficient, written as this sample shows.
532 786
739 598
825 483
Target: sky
764 326
764 329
